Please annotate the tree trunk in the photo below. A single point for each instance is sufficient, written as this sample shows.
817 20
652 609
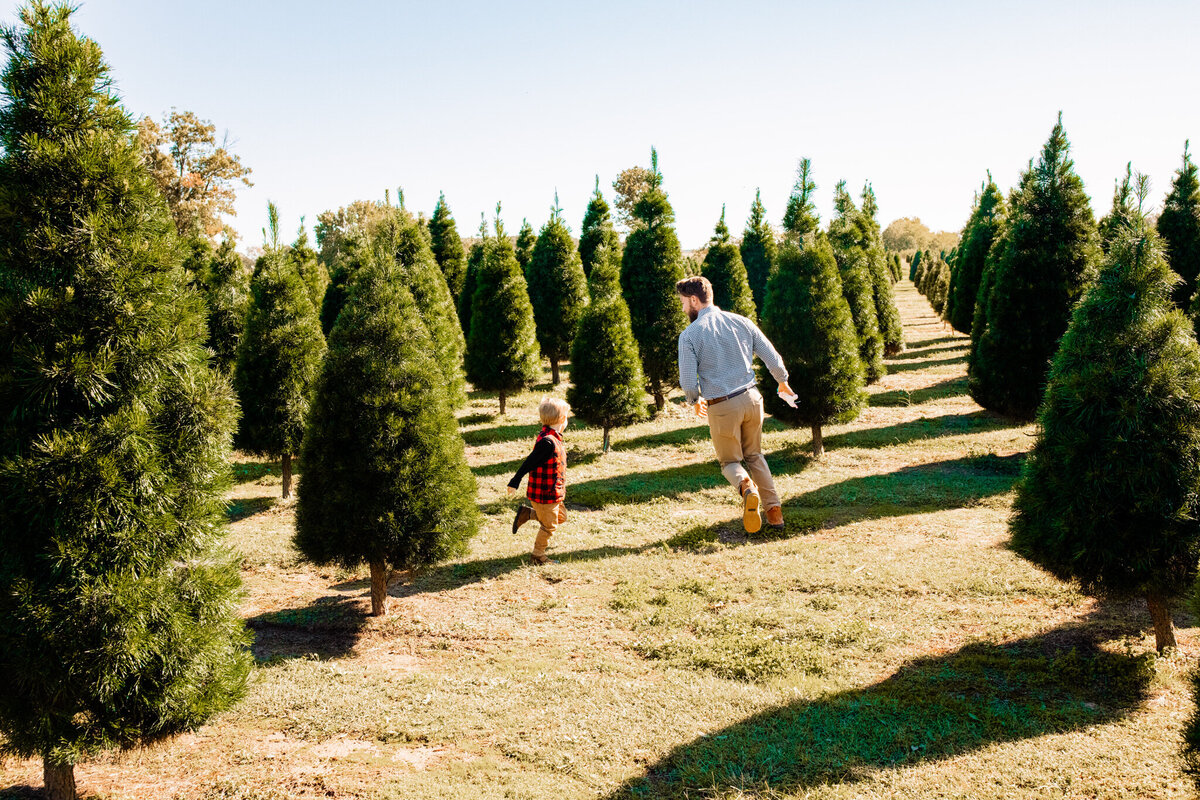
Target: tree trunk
818 442
605 448
502 399
287 475
379 576
1164 629
554 370
59 780
659 399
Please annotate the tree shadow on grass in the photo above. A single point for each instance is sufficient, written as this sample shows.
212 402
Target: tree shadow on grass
909 366
328 627
930 709
246 471
921 429
249 506
926 352
951 387
929 343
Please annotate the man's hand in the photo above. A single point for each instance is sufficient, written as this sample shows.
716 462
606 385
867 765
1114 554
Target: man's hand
700 407
783 387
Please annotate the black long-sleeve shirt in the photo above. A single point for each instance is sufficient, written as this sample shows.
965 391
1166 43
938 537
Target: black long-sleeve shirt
543 451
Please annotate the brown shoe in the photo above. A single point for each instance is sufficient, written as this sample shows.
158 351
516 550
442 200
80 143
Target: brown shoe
542 561
524 514
775 518
751 519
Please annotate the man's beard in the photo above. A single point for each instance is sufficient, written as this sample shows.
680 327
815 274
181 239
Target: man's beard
692 314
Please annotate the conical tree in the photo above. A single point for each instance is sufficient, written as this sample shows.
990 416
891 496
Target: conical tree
119 609
608 389
557 289
526 240
1109 494
1050 257
847 231
398 240
350 257
914 266
225 285
978 235
758 250
650 268
800 216
385 481
890 326
447 247
474 261
724 269
1122 214
986 282
502 348
807 318
278 361
309 267
1179 226
939 285
897 268
597 231
870 212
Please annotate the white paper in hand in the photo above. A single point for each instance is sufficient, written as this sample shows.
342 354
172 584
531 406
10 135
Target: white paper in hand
790 399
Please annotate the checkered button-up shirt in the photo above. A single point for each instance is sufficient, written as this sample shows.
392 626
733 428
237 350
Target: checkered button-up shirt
716 355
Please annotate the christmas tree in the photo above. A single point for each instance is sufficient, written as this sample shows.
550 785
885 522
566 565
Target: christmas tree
800 216
890 326
309 267
474 261
120 606
978 235
758 250
225 285
447 247
1179 226
597 231
557 289
526 239
724 269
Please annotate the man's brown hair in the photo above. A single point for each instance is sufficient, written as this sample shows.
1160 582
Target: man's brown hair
696 286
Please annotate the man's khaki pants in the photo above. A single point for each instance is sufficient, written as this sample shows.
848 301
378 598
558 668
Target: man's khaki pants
550 515
736 428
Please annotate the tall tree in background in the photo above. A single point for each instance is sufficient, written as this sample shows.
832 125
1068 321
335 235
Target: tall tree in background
607 389
847 232
628 189
914 266
474 262
808 319
800 216
557 289
225 284
278 359
447 247
650 268
597 231
502 348
870 211
526 239
758 250
1109 494
346 228
195 174
119 610
1050 256
351 256
385 481
978 235
1179 226
310 269
724 269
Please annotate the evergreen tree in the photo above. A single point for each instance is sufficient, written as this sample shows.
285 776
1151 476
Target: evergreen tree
800 216
557 289
474 261
939 285
351 256
1179 226
914 266
526 240
870 211
1122 215
226 288
312 272
1109 494
807 318
758 250
846 234
978 235
447 247
724 269
502 348
607 389
890 326
278 361
385 481
597 231
650 268
119 610
986 281
897 268
1049 259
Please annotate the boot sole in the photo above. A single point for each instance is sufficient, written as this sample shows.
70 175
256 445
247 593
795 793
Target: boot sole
751 519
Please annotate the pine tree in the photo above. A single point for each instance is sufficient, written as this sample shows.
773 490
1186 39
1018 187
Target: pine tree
1122 215
557 289
914 266
724 269
526 239
870 212
502 348
800 216
350 257
897 268
278 360
1179 226
978 235
309 267
607 388
385 481
807 318
758 250
986 281
474 261
847 232
447 247
939 285
650 268
119 609
890 326
1109 494
597 231
1051 250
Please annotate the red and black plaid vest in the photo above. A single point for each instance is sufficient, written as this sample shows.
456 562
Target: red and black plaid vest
548 482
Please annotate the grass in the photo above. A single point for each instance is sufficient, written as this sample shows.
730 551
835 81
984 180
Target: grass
885 644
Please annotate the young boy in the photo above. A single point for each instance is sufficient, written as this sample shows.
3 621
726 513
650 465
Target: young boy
547 470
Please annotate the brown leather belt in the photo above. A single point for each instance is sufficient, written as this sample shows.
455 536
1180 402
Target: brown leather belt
716 400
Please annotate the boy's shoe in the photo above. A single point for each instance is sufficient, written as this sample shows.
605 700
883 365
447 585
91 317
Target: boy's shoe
524 514
751 519
542 561
775 518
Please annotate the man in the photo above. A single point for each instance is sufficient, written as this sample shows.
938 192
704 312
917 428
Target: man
716 371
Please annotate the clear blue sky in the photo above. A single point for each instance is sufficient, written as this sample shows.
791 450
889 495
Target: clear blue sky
329 103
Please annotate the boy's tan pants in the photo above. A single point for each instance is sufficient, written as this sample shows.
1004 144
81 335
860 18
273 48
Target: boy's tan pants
550 515
736 428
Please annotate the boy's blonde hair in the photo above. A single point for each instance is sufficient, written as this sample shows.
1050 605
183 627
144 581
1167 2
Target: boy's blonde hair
553 409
